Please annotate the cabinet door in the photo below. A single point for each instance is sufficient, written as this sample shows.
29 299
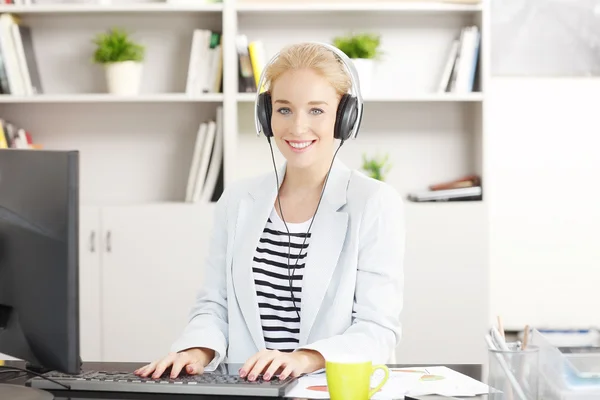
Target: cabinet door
89 284
152 269
445 312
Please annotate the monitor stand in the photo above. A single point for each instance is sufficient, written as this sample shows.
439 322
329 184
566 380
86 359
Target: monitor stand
18 392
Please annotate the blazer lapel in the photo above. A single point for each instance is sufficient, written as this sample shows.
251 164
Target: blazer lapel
328 234
253 213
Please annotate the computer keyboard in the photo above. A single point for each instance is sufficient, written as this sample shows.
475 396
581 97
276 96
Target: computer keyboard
210 383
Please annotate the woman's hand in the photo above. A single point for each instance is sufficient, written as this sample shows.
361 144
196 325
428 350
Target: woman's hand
270 362
193 359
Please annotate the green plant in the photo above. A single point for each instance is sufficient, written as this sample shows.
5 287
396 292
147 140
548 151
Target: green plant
376 167
362 45
116 46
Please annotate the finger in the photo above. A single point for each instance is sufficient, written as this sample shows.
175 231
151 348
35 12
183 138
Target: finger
261 364
249 364
163 365
196 368
140 369
180 361
272 370
147 370
287 371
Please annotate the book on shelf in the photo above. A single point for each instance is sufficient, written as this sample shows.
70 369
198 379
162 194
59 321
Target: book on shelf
467 187
205 179
19 73
458 74
205 67
15 137
251 62
458 194
462 182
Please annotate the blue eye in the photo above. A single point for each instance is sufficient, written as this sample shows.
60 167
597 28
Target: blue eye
316 111
283 110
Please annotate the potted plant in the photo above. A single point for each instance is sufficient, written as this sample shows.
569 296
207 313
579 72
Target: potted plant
376 167
122 59
363 49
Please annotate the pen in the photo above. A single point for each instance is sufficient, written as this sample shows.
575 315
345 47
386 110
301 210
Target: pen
525 337
500 327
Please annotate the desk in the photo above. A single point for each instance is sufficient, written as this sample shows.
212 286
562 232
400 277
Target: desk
472 370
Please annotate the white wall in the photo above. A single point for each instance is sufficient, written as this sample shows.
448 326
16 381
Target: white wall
543 167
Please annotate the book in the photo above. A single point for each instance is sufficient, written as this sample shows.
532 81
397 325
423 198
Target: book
465 181
459 194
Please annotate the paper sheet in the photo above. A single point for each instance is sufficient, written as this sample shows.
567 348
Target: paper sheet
402 381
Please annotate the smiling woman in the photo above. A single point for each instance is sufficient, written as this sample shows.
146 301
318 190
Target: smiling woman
309 267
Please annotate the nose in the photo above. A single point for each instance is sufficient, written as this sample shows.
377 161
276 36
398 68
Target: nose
299 125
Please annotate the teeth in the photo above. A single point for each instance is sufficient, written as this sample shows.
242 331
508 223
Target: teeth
299 145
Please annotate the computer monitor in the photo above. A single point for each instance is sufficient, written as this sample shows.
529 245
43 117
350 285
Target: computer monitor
39 289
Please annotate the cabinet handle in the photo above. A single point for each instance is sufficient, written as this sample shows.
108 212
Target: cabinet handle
108 242
93 241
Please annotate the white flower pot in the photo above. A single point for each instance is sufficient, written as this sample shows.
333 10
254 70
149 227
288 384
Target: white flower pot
124 78
365 69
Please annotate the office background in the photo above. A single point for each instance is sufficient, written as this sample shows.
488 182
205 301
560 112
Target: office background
527 127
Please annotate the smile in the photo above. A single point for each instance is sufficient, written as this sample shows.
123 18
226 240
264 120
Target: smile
300 146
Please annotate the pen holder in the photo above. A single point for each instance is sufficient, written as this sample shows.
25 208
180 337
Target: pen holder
513 374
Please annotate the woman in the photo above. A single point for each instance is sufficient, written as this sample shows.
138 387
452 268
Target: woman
279 303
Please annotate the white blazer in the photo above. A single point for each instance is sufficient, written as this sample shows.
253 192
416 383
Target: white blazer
352 294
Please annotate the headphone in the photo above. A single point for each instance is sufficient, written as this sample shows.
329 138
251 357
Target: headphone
349 111
348 118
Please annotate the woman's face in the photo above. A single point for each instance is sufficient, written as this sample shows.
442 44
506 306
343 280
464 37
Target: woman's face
304 111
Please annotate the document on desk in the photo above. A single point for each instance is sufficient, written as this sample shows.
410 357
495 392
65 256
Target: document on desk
417 381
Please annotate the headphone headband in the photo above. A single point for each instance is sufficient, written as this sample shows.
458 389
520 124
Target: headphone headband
353 78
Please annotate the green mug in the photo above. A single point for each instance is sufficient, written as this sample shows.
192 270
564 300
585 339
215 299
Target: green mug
351 380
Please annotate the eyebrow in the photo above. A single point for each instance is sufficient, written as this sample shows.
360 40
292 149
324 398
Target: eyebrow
314 102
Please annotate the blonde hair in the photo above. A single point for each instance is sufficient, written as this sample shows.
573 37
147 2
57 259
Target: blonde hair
314 56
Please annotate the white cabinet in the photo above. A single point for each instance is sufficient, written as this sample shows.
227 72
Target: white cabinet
141 276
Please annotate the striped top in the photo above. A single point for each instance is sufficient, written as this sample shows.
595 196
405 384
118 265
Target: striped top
279 312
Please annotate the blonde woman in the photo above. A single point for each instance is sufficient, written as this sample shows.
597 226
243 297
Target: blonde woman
308 270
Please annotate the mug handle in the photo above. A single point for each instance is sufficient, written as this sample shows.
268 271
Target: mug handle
383 381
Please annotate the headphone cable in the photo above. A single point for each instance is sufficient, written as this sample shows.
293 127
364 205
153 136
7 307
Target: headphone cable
286 226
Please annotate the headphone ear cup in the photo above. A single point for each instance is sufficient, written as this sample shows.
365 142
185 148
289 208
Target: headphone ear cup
347 114
264 113
337 132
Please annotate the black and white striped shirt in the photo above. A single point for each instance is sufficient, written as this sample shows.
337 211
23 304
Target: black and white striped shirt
279 312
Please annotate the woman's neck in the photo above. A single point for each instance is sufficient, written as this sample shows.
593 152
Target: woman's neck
304 180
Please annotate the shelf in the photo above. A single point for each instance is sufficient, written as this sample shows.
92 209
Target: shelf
409 7
109 98
427 97
100 9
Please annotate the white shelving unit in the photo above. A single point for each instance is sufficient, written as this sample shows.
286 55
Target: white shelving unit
137 8
136 153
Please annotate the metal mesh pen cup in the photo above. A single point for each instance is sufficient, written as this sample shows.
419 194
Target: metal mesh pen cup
513 374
